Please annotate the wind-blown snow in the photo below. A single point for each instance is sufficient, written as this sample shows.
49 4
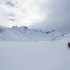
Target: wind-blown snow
42 55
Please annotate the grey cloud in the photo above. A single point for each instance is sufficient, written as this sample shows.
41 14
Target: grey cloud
58 15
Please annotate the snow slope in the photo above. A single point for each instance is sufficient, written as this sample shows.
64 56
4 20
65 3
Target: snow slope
25 34
42 55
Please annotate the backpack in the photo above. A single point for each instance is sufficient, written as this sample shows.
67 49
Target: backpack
68 44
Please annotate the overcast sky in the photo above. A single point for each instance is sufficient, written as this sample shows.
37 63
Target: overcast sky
57 15
42 14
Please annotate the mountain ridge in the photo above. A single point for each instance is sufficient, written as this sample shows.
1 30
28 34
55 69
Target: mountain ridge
23 33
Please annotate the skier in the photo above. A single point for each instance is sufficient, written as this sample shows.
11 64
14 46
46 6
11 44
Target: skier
68 44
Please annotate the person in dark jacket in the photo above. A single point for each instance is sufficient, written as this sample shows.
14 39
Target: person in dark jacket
68 44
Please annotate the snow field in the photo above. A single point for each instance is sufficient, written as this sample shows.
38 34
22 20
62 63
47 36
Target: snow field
42 55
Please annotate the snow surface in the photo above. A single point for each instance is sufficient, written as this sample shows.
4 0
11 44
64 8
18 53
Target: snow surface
25 34
42 55
22 48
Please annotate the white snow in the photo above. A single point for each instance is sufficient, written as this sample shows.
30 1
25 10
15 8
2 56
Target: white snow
22 48
42 55
25 34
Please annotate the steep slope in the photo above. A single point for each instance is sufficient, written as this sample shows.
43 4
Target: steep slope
25 34
8 34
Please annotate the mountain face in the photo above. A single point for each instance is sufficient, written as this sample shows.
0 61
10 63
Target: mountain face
25 34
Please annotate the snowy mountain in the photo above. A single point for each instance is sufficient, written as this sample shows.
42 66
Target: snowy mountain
22 48
25 34
8 9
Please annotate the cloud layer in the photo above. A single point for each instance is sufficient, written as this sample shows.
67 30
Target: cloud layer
24 12
58 15
42 14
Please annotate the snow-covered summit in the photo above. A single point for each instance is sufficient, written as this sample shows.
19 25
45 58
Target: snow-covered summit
23 33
